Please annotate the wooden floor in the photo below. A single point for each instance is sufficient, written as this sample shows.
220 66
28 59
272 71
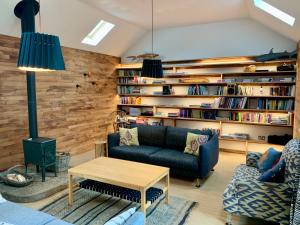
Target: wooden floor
209 195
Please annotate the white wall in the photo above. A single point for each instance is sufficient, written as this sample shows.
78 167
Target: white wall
231 38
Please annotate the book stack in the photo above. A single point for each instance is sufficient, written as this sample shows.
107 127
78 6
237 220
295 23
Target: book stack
206 90
280 104
129 73
283 91
231 103
130 100
244 90
251 117
129 90
185 113
173 115
282 119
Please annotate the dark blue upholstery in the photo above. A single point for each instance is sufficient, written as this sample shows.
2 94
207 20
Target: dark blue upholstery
176 137
170 158
151 135
208 156
171 154
135 153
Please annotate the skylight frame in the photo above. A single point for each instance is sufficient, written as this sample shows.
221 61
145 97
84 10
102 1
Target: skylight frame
99 32
279 14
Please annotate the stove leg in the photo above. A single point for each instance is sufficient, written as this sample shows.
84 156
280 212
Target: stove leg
37 168
26 168
55 172
43 174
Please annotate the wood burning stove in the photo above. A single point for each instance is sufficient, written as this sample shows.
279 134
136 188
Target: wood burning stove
40 152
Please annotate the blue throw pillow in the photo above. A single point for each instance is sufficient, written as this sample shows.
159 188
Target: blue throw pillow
268 160
275 174
122 218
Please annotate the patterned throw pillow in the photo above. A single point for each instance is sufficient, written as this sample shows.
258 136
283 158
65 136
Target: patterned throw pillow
121 219
129 136
275 174
193 143
268 159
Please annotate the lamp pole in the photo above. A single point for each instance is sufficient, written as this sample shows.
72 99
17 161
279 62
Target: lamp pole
26 11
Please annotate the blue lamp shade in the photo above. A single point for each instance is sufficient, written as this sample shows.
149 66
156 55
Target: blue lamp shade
152 68
40 52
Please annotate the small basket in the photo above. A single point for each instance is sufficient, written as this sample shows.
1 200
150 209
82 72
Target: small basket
3 177
62 162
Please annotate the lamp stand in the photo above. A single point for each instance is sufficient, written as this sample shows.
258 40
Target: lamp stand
26 11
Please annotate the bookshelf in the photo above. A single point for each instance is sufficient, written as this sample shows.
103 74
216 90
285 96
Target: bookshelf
262 103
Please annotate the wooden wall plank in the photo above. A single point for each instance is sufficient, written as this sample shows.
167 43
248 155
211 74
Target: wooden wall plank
76 117
297 103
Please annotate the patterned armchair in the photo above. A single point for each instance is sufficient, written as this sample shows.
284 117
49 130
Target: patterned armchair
246 196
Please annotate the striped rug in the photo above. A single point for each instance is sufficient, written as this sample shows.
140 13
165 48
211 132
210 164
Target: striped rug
95 209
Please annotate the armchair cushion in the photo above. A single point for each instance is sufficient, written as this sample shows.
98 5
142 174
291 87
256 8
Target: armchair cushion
275 174
268 159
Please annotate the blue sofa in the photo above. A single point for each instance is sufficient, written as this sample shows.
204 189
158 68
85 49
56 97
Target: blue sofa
164 146
16 214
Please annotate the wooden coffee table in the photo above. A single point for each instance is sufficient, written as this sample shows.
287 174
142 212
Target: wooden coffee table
127 174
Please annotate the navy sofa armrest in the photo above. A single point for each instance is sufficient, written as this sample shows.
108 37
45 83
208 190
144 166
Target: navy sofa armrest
208 156
113 140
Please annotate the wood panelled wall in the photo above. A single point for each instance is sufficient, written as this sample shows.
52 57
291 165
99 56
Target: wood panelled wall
75 116
297 105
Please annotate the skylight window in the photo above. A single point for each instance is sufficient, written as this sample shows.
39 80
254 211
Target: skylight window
98 33
275 12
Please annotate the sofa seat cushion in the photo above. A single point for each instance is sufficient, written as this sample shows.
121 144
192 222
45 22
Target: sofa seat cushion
17 214
243 172
134 153
174 159
176 137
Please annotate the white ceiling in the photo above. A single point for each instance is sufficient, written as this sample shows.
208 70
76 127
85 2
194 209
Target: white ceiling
171 13
72 20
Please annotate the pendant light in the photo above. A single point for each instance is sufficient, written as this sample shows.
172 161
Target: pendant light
152 67
38 52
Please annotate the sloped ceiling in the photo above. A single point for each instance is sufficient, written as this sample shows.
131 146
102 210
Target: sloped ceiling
72 20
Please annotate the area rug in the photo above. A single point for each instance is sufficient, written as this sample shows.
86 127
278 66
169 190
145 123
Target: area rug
95 209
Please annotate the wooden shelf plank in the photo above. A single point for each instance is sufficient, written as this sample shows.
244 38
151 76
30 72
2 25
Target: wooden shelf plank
214 121
207 109
249 141
214 84
204 96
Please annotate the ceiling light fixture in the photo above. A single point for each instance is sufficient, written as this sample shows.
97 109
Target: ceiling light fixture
152 67
98 33
275 12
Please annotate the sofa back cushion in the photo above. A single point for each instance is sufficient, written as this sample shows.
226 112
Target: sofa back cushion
176 137
151 135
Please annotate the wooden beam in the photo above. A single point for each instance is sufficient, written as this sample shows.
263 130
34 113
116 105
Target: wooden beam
297 100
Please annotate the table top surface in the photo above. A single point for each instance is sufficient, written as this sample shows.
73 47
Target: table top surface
122 173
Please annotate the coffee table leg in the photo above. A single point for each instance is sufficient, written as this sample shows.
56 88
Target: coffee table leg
143 203
167 184
70 189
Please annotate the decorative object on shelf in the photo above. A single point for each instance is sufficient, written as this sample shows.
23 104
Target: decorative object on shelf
231 89
193 80
276 56
279 139
15 178
251 69
167 89
286 67
152 67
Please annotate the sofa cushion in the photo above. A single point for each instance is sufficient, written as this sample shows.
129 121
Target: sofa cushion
129 136
174 159
176 137
151 135
134 153
17 214
275 174
193 143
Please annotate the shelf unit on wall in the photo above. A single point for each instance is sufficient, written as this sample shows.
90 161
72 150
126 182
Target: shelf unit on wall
216 73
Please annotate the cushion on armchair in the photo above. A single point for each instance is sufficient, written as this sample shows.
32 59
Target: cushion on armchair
275 174
268 159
